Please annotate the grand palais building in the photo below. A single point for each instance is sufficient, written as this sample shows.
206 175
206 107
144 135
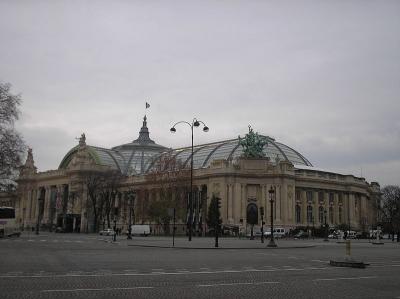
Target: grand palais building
303 195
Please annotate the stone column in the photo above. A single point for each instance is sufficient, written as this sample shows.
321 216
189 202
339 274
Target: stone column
46 206
284 213
237 203
278 202
336 208
304 204
326 206
244 204
230 203
84 211
352 211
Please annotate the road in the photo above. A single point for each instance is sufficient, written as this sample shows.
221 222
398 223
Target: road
90 266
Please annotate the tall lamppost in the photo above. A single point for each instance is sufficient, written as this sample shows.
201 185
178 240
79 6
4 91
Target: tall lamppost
262 224
131 197
326 228
195 123
271 200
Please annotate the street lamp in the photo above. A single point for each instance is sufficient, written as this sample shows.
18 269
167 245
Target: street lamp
195 123
262 224
271 200
326 227
131 197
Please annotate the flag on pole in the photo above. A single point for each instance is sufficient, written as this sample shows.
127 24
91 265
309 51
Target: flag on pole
147 105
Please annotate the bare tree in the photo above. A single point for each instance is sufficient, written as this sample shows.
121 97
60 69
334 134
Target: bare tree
171 179
391 209
12 146
93 182
108 191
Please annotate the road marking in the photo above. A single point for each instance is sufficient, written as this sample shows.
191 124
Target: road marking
345 278
103 272
236 283
95 290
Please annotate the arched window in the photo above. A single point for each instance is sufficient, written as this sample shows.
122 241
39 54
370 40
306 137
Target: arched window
340 215
309 214
252 214
330 214
321 214
298 214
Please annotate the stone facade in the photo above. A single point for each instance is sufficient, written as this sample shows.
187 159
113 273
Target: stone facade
301 194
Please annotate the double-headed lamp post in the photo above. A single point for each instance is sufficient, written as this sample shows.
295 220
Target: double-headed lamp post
271 192
195 123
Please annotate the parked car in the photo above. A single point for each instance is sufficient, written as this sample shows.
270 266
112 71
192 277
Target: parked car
59 229
107 232
301 235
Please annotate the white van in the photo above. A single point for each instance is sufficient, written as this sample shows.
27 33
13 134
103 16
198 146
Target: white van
279 232
140 230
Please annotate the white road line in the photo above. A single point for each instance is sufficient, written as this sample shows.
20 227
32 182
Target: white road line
179 272
345 278
95 290
236 283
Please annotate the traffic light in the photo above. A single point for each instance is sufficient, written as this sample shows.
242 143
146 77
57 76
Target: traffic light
219 203
262 210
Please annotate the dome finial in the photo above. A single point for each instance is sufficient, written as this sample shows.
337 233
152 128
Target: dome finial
144 133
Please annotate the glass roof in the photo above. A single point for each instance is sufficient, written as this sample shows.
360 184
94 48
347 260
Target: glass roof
136 160
230 149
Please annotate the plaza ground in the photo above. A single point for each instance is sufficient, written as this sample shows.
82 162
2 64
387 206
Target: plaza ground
53 265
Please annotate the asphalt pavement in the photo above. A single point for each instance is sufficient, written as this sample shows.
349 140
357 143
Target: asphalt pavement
53 265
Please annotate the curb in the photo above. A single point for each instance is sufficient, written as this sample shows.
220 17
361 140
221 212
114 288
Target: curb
219 248
350 264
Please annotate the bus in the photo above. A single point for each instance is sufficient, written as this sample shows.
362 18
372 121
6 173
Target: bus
8 225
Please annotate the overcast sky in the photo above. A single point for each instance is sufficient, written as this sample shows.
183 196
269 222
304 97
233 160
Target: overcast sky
320 76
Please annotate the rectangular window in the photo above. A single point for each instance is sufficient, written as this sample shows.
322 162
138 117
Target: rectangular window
331 197
309 196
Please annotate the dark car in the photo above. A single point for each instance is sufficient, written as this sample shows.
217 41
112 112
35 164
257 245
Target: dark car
301 235
59 229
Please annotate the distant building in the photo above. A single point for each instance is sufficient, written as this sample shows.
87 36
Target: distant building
303 194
